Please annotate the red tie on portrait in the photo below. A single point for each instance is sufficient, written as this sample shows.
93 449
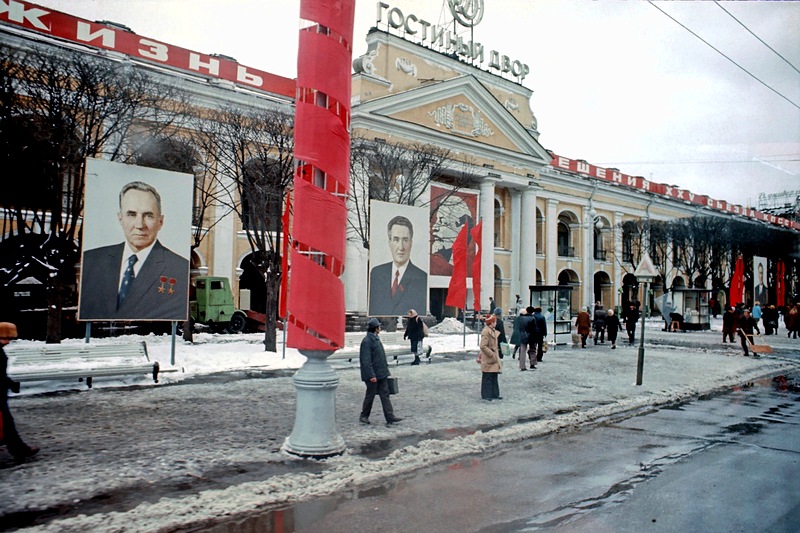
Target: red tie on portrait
396 282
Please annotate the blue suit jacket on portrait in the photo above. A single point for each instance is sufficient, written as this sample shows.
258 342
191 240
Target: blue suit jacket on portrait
149 298
412 293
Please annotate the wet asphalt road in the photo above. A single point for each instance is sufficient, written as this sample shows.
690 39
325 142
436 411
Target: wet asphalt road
730 462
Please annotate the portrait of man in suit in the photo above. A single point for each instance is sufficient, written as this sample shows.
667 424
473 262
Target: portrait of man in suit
760 288
399 285
139 278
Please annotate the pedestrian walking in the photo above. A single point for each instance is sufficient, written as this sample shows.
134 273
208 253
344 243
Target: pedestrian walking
492 305
516 334
728 324
792 321
8 430
517 304
524 339
375 374
770 317
612 326
583 323
415 332
756 312
745 325
600 323
631 317
537 339
500 327
490 361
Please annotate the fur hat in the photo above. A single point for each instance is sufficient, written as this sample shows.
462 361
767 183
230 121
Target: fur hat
8 330
373 323
491 319
412 313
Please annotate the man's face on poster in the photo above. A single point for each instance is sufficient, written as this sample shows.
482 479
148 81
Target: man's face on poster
140 218
400 242
760 274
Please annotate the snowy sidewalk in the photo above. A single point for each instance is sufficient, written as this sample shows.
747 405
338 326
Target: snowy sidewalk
149 457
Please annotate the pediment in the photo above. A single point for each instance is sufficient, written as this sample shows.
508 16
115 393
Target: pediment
461 107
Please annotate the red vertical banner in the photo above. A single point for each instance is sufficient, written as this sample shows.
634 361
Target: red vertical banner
457 290
780 280
285 250
322 151
476 266
737 283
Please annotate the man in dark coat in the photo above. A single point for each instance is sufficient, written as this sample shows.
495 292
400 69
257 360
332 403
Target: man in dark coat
399 285
415 332
631 318
375 374
139 279
746 324
599 323
525 352
729 319
11 438
536 342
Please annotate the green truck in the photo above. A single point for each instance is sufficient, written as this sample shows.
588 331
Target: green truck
211 304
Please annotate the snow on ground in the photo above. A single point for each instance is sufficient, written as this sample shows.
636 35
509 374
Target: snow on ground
211 447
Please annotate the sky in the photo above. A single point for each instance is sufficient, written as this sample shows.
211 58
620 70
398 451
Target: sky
618 84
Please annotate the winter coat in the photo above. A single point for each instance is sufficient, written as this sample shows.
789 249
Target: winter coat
414 329
515 334
490 355
523 328
746 325
791 320
583 323
612 326
501 331
728 322
373 358
600 318
541 324
756 312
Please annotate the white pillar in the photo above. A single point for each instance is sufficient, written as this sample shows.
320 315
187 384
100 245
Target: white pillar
224 234
516 261
486 209
528 242
588 258
551 253
617 255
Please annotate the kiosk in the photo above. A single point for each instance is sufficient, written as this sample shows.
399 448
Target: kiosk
692 305
556 304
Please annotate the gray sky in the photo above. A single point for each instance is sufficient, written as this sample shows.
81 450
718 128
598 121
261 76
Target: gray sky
618 84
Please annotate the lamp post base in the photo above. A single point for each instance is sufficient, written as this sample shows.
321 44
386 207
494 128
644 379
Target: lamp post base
315 433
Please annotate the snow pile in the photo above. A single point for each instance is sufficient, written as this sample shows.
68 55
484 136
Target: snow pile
449 326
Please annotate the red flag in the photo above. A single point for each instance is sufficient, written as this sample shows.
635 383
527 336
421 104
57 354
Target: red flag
285 256
457 290
476 266
780 290
737 283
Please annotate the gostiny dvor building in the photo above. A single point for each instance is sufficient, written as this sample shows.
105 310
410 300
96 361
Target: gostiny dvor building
547 220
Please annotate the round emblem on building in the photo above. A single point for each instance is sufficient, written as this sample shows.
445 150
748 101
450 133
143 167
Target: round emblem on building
467 12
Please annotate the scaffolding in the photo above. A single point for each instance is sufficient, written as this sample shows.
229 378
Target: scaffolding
785 204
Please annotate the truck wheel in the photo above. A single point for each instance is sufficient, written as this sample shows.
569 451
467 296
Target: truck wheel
237 323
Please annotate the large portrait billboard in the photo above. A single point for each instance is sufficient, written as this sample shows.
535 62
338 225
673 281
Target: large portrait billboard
449 210
136 231
760 285
398 256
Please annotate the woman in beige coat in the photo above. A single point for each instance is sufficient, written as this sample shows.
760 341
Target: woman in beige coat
490 361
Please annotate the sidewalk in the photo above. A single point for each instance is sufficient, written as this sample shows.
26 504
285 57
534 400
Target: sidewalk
147 458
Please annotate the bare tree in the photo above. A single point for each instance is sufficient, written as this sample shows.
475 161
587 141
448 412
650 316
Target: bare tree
394 172
57 109
251 156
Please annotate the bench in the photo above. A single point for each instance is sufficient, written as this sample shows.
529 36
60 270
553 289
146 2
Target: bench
79 361
397 355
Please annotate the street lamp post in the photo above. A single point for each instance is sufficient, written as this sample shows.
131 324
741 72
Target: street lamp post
646 272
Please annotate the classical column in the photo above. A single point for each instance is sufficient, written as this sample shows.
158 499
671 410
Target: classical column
528 241
516 261
551 253
224 234
618 256
486 210
588 258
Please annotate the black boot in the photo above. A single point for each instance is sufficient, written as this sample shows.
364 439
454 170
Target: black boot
416 360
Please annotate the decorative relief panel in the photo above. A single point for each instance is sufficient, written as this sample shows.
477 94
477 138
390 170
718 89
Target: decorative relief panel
402 63
462 119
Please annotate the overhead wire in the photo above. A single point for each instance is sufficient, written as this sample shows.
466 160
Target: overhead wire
717 50
757 37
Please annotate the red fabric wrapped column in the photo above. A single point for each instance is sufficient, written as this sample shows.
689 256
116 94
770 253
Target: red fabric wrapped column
315 323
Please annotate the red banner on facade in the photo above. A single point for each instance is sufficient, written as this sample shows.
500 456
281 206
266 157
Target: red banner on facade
476 266
457 290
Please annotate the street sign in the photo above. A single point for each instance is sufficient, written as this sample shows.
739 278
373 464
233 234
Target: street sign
646 270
